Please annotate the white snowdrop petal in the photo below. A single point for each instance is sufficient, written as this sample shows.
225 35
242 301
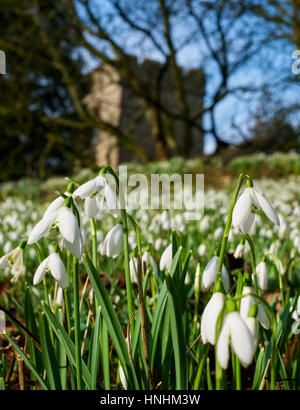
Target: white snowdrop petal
210 316
225 278
86 189
247 223
67 224
133 270
241 339
210 272
252 325
242 208
41 228
4 262
246 302
223 344
90 207
262 275
166 258
267 208
56 266
263 317
54 206
41 271
75 248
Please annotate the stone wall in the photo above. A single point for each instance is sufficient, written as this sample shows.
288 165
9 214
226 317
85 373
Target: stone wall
115 102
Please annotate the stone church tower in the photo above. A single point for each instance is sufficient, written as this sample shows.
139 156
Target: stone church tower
114 101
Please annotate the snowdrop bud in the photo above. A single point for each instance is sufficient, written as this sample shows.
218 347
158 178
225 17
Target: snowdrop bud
133 263
123 378
239 251
210 273
202 249
113 242
197 277
166 259
59 296
262 275
210 317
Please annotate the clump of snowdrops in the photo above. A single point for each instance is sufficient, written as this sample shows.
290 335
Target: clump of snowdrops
114 311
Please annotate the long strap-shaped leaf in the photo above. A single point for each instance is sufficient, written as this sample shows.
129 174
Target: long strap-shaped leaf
48 355
159 310
95 351
112 322
68 344
177 336
27 362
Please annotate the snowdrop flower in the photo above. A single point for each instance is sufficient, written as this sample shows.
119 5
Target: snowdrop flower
48 219
218 233
133 263
249 203
113 242
202 249
262 275
210 273
14 259
236 333
247 302
89 191
54 264
239 251
210 317
148 259
166 259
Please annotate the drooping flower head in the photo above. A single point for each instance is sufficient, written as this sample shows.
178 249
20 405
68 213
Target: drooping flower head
249 204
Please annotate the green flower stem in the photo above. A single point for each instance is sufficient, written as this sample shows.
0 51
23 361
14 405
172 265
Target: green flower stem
125 239
94 241
67 294
238 374
228 223
77 323
253 263
218 369
273 357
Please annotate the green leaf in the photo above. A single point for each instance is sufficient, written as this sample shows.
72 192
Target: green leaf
159 310
68 344
27 362
112 322
48 355
94 360
177 337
